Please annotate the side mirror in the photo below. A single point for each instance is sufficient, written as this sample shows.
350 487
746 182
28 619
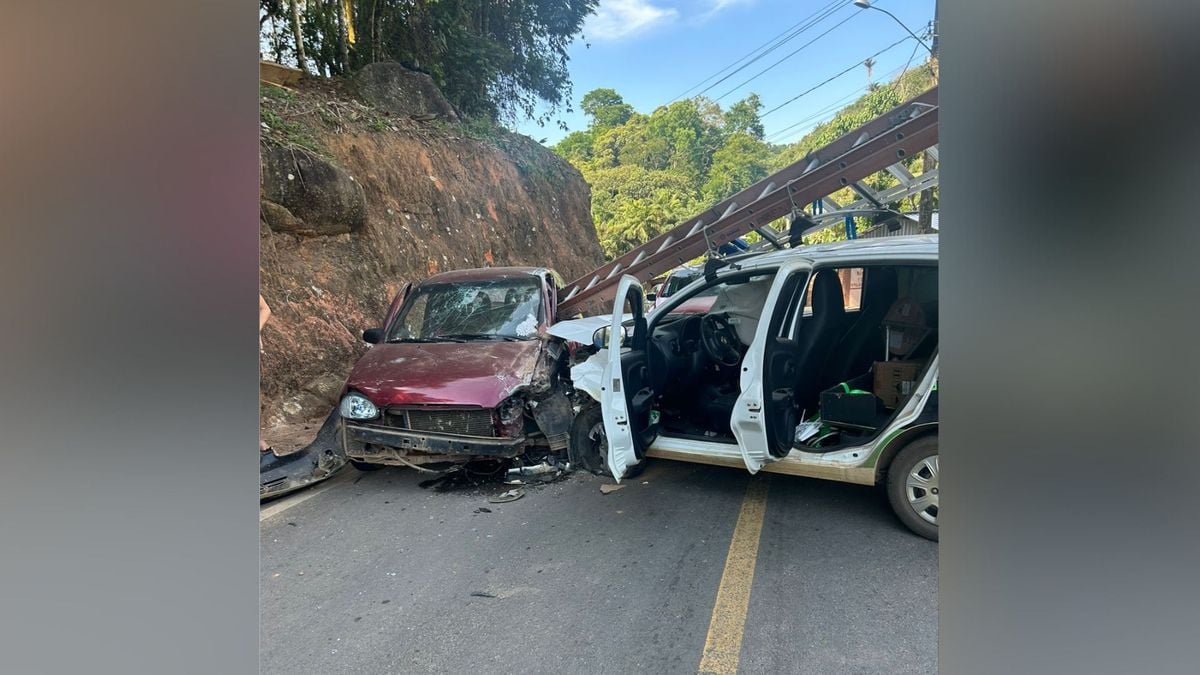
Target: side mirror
651 297
373 335
600 339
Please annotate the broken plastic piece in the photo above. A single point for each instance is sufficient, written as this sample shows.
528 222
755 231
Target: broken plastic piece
508 496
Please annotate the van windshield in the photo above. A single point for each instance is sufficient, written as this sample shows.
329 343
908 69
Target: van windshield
497 309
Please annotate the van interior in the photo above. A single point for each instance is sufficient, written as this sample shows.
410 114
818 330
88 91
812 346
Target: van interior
847 346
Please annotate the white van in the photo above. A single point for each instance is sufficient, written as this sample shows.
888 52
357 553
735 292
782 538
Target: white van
819 361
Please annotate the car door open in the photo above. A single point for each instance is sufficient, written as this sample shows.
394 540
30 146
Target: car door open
626 395
764 418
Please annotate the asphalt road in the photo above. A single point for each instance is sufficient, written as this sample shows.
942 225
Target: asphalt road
369 573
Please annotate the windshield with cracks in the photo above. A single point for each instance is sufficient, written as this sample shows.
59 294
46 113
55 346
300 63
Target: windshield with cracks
497 309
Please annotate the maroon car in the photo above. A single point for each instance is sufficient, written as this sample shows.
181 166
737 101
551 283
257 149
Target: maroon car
461 369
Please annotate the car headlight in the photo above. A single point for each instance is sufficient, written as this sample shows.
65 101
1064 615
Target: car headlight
355 406
512 409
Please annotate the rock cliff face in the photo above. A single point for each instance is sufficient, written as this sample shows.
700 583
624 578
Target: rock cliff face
358 199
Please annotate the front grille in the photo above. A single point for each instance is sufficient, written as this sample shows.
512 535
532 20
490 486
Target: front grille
473 422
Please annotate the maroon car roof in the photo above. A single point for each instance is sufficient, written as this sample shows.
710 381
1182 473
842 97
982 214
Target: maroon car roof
485 274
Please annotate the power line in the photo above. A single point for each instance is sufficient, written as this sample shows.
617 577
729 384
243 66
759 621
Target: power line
831 79
787 35
790 33
911 57
814 22
790 55
780 135
834 107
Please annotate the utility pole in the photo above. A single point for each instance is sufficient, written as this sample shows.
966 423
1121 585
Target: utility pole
937 29
925 203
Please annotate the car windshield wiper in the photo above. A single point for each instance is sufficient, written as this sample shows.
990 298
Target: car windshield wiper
462 337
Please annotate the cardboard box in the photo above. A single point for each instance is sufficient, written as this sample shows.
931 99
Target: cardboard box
894 380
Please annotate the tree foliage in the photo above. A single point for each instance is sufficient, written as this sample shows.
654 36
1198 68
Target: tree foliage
742 117
650 172
493 58
636 204
739 162
606 108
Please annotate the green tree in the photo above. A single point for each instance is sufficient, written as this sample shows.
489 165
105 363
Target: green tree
742 117
606 108
631 205
494 58
576 147
740 163
649 172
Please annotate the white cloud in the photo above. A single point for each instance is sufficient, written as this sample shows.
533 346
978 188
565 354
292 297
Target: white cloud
616 19
718 5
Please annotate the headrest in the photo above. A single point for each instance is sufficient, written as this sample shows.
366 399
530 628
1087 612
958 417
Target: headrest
880 287
827 294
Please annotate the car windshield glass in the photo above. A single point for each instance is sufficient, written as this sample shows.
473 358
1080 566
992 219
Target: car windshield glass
497 309
678 282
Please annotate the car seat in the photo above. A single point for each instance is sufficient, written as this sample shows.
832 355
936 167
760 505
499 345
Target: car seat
863 341
818 335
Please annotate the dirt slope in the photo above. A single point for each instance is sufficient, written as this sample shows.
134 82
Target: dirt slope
360 199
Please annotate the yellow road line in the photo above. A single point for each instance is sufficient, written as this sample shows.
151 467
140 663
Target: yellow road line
723 646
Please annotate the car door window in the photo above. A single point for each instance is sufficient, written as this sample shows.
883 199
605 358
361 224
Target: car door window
852 289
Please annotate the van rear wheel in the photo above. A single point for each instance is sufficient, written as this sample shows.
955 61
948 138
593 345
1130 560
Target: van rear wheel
912 486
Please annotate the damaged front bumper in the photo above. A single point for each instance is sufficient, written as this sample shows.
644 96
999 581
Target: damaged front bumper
279 475
378 445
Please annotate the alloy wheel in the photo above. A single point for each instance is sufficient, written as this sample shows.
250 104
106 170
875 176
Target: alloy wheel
921 488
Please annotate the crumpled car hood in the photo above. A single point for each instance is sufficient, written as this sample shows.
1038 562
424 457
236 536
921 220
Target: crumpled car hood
478 373
582 330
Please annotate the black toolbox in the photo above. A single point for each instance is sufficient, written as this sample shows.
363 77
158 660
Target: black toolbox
851 404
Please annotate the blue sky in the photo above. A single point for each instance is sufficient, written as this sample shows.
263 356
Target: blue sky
652 51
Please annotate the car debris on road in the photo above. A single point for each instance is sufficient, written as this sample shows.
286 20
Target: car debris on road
315 462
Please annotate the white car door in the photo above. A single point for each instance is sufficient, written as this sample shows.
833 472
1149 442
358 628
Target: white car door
762 439
625 397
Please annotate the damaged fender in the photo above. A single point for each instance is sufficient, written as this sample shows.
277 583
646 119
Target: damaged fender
279 475
549 404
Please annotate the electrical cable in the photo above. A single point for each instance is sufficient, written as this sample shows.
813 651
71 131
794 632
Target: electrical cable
834 77
835 106
790 55
791 33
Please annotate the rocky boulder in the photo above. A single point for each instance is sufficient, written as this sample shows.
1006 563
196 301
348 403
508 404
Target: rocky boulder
392 87
305 194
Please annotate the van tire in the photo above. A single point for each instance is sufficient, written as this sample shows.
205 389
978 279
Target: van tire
589 454
915 457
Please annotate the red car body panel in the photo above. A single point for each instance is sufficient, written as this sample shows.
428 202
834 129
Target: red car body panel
474 373
696 305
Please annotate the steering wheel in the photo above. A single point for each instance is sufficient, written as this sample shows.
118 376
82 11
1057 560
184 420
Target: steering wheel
719 339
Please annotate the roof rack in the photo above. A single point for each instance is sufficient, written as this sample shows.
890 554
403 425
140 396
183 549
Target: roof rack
881 144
